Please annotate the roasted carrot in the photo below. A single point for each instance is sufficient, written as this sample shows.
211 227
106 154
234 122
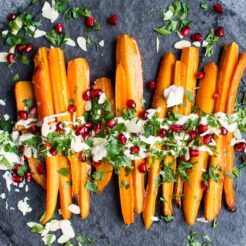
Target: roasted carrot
229 182
106 86
190 58
213 196
193 186
164 80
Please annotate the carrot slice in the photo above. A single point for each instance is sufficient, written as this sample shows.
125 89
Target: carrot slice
164 79
193 186
106 168
213 195
229 182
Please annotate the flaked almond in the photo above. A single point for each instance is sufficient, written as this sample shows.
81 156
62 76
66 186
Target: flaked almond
101 43
88 105
157 44
73 208
63 239
70 42
82 43
196 44
182 44
67 229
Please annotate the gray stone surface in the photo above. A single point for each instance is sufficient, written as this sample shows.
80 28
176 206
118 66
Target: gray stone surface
105 222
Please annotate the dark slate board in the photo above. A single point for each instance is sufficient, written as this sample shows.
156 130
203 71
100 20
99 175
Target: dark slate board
104 222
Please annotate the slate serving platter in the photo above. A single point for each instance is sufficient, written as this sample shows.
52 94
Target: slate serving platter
136 17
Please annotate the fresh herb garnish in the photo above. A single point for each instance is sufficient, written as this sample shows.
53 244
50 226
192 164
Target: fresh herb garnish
29 102
64 172
56 39
82 239
203 5
183 168
167 218
195 239
91 186
211 40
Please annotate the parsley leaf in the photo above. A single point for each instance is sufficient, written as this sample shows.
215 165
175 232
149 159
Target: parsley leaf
98 175
56 39
203 5
91 186
64 172
211 41
167 218
82 239
29 102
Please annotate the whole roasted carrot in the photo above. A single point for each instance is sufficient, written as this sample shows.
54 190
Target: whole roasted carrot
213 196
190 58
106 168
193 186
229 182
164 80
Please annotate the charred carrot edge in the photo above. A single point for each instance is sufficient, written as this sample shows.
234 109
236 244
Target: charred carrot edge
229 182
61 101
24 90
43 95
164 79
193 189
106 86
167 187
78 77
213 196
190 58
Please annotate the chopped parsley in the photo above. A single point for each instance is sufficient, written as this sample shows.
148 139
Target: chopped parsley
211 41
91 186
167 218
195 239
56 39
203 5
64 172
82 239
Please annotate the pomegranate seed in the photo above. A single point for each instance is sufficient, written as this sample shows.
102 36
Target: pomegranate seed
194 152
21 47
218 8
196 37
219 32
181 158
240 147
207 139
25 158
87 95
144 115
58 28
40 169
85 135
142 168
11 58
200 75
28 48
151 85
202 128
17 179
16 168
131 104
59 126
204 187
113 20
185 31
162 133
96 163
223 131
23 115
21 149
111 123
192 134
122 138
33 129
33 110
97 128
80 130
216 95
96 93
134 150
83 157
11 17
28 177
53 151
176 128
71 108
88 125
89 21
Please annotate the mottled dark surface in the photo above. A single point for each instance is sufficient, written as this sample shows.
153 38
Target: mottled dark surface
136 17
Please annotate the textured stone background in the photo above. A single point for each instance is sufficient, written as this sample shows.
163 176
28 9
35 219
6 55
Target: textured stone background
105 223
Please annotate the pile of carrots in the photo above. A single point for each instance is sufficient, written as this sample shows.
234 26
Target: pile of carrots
53 87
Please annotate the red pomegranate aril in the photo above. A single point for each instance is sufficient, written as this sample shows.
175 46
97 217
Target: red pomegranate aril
218 8
53 151
216 95
16 168
185 31
85 135
80 130
40 169
162 133
122 138
223 131
83 157
33 110
219 32
200 75
130 104
96 92
28 48
202 128
196 37
88 125
21 149
151 85
134 150
71 108
97 128
23 115
87 95
111 123
176 128
11 58
203 186
113 20
58 28
144 115
28 177
33 129
11 16
142 168
17 179
89 21
96 163
59 126
21 47
194 152
192 134
207 139
240 147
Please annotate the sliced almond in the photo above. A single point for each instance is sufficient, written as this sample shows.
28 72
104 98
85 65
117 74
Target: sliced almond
157 44
182 44
196 44
82 43
3 56
67 229
63 239
70 42
73 208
